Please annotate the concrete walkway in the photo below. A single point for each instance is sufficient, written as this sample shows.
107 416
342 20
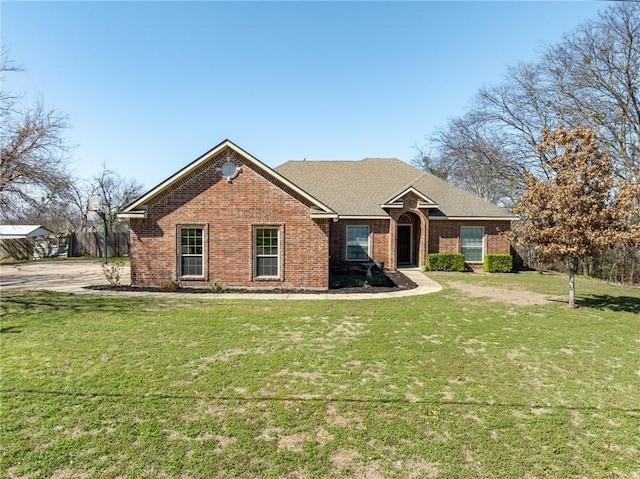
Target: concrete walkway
74 276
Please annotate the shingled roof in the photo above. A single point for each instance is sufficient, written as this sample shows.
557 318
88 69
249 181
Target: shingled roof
358 188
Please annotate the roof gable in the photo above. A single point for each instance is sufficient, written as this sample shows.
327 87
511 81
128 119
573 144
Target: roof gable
137 208
396 202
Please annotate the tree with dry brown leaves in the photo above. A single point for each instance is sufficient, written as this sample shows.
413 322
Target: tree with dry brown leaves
581 207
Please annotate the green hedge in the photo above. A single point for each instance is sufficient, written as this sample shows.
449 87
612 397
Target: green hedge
445 262
498 263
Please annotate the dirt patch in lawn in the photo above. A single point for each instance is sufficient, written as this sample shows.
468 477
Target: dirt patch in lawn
516 297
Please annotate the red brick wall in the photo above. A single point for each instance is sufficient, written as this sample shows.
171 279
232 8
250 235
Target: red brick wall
444 236
378 240
228 212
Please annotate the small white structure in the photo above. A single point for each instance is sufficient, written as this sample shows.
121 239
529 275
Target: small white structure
24 242
22 231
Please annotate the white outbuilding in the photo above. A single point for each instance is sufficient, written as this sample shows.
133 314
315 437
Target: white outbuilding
22 231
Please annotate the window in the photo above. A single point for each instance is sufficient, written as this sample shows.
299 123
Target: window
267 252
191 251
471 243
358 243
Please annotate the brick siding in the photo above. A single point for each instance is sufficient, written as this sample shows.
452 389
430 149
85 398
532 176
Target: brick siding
444 236
378 241
228 213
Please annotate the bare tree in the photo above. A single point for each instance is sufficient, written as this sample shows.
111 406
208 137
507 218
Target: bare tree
34 155
116 192
476 158
65 213
596 73
429 163
581 209
591 78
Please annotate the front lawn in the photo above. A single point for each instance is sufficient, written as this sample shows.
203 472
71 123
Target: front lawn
491 377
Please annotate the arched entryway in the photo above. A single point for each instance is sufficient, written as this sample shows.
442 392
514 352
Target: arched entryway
407 228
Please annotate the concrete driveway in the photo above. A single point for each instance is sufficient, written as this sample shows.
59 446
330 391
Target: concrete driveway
64 276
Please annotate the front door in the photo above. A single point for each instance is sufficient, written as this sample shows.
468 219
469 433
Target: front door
403 244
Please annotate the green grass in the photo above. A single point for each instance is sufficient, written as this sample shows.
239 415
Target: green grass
449 385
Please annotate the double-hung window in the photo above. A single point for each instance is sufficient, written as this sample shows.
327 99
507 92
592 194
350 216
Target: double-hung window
267 251
472 243
191 251
358 243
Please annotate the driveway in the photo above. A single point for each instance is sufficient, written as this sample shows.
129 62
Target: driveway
64 276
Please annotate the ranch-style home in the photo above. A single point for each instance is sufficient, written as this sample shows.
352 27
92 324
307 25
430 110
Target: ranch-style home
229 217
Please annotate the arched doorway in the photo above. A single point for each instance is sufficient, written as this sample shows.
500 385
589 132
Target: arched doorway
405 240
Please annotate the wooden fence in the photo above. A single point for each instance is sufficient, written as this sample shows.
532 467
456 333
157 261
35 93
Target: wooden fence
88 243
85 243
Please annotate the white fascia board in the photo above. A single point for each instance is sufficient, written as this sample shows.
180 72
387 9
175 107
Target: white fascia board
133 214
474 218
323 215
207 156
400 205
411 189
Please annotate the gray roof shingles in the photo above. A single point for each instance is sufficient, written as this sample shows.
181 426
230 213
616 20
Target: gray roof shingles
358 188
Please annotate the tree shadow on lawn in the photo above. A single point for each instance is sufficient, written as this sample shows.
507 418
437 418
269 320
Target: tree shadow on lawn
627 304
26 308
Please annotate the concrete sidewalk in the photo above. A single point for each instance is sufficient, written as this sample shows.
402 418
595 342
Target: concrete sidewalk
74 276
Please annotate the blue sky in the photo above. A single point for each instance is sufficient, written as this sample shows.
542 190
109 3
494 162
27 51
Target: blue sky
149 86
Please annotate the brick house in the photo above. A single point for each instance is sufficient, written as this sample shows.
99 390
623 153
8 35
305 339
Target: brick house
229 217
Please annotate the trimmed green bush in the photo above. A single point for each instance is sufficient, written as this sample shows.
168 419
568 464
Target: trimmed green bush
498 263
445 262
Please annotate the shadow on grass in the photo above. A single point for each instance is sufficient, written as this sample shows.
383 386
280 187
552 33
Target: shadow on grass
256 399
627 304
10 330
43 301
31 308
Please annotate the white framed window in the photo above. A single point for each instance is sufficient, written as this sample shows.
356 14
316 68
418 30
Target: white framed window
267 252
357 243
191 251
472 243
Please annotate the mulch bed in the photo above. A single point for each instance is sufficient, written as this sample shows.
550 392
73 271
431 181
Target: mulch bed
340 283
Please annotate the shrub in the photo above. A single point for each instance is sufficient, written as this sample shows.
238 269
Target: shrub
170 285
113 271
498 263
445 262
215 285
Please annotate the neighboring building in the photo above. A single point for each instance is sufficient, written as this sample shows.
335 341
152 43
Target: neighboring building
21 242
22 231
229 217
